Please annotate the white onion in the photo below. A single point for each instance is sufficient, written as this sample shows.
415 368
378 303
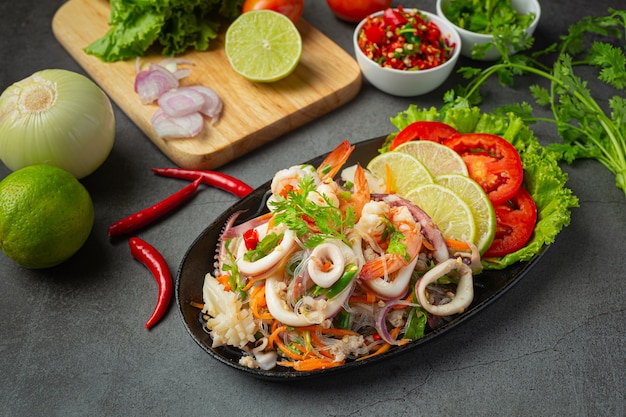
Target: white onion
56 117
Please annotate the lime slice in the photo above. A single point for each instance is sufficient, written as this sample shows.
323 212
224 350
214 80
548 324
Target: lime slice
407 172
449 212
263 45
438 158
479 204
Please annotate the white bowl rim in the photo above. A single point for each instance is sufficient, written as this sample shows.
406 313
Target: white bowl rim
482 36
431 16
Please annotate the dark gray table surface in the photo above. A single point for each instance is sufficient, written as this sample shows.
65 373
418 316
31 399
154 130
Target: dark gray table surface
73 342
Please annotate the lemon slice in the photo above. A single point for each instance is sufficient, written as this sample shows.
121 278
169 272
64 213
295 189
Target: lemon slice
479 204
263 45
438 158
450 213
406 171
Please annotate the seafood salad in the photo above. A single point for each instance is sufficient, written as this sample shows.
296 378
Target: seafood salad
336 271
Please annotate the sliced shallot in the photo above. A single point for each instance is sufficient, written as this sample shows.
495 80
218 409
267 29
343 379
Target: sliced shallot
166 126
181 101
150 84
212 103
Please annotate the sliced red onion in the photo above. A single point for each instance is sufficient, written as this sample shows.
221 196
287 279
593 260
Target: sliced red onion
150 84
212 103
166 126
381 320
181 101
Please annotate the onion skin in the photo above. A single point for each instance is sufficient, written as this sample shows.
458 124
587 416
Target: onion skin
56 117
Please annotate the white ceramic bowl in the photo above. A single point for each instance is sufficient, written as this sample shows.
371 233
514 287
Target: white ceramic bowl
408 83
469 39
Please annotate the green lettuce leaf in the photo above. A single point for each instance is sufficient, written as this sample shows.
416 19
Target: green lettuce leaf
543 178
174 25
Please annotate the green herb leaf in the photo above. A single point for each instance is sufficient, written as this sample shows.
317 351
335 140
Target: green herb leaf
313 223
586 129
264 247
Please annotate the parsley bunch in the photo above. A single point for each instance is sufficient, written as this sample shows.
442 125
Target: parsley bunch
587 130
311 222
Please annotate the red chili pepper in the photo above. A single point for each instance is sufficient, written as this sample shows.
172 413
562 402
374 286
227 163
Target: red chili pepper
216 179
148 215
251 239
154 261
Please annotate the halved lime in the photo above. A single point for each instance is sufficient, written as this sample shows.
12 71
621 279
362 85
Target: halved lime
263 45
438 158
406 171
449 212
479 204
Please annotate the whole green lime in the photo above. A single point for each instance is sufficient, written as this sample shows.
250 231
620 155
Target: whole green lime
46 215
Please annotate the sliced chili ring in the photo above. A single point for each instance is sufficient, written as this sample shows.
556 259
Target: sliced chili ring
423 130
492 161
515 223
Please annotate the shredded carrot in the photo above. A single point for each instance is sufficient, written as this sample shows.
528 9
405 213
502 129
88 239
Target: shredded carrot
457 244
427 245
311 364
331 330
276 330
196 304
326 267
224 280
321 347
388 179
257 298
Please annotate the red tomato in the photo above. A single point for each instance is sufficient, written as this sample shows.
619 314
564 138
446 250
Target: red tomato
290 8
356 10
492 162
423 130
515 222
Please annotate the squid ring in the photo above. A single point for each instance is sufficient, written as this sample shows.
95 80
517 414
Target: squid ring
321 254
464 292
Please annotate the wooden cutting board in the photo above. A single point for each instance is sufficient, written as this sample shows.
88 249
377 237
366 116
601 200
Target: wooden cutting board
254 113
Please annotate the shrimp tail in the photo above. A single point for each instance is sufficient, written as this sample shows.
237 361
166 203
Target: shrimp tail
382 266
335 160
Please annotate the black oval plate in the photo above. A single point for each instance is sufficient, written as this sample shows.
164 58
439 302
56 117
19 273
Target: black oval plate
199 260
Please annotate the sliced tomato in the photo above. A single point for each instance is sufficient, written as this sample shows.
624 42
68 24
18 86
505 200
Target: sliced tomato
423 130
515 222
492 161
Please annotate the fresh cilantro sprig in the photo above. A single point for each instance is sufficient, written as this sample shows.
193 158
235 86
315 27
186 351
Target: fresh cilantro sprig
312 223
494 17
587 130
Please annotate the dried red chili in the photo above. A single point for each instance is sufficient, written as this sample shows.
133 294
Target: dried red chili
156 264
148 215
404 40
216 179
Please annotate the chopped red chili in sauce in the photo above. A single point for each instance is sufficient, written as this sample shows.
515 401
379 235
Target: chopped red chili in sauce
404 40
